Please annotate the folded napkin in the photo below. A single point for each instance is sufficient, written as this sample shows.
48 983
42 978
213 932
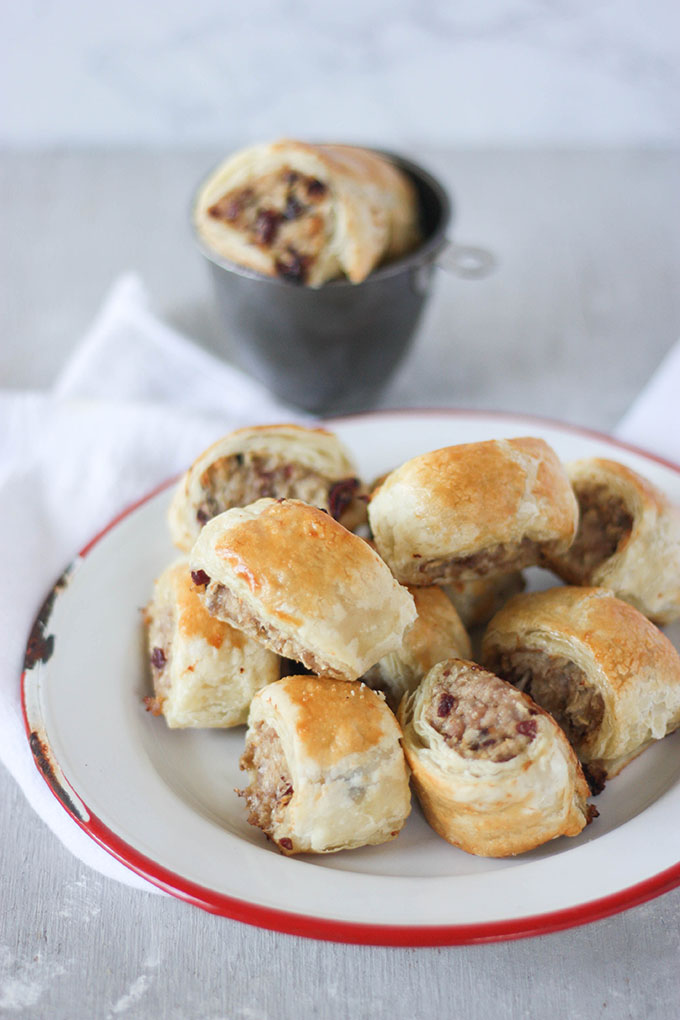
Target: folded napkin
134 405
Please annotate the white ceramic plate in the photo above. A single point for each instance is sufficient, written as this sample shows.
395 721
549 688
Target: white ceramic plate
162 801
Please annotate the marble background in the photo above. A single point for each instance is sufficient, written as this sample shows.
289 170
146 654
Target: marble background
501 72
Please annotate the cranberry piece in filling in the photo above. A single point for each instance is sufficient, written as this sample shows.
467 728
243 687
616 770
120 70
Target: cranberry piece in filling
158 658
446 703
316 188
293 266
340 496
266 226
286 843
527 727
200 578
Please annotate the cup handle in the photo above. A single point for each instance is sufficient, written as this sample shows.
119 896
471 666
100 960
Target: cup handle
466 261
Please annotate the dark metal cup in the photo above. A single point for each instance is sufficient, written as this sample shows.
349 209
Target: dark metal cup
333 348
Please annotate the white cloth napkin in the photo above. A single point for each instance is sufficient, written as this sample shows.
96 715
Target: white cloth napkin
134 406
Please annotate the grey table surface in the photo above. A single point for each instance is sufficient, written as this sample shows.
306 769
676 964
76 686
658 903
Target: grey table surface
583 307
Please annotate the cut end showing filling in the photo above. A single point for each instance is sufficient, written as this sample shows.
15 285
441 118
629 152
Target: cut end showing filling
558 685
243 478
161 621
270 788
500 559
479 716
222 603
604 524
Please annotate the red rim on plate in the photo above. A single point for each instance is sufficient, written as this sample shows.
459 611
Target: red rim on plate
304 924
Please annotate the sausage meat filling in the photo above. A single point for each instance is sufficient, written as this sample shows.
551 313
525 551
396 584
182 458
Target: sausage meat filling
480 716
604 523
270 787
500 559
242 478
558 685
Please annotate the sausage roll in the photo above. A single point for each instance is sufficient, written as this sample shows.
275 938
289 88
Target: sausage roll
609 677
204 672
325 766
628 539
437 634
477 601
280 461
308 213
289 575
473 510
493 772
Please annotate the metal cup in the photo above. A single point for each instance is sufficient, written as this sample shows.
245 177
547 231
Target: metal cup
333 348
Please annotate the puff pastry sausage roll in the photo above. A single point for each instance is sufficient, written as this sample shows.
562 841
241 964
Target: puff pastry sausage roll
325 766
289 575
468 511
437 634
270 460
609 677
493 772
628 539
308 213
477 601
204 672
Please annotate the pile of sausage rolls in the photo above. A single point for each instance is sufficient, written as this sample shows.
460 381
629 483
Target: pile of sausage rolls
332 618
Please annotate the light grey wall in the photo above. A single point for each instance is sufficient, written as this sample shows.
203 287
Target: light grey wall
438 72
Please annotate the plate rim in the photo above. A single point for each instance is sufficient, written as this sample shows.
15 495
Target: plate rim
307 925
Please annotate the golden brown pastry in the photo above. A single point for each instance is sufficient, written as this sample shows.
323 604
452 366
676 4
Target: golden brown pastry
609 677
477 601
286 461
628 539
469 511
289 575
204 672
325 766
437 634
493 772
308 213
